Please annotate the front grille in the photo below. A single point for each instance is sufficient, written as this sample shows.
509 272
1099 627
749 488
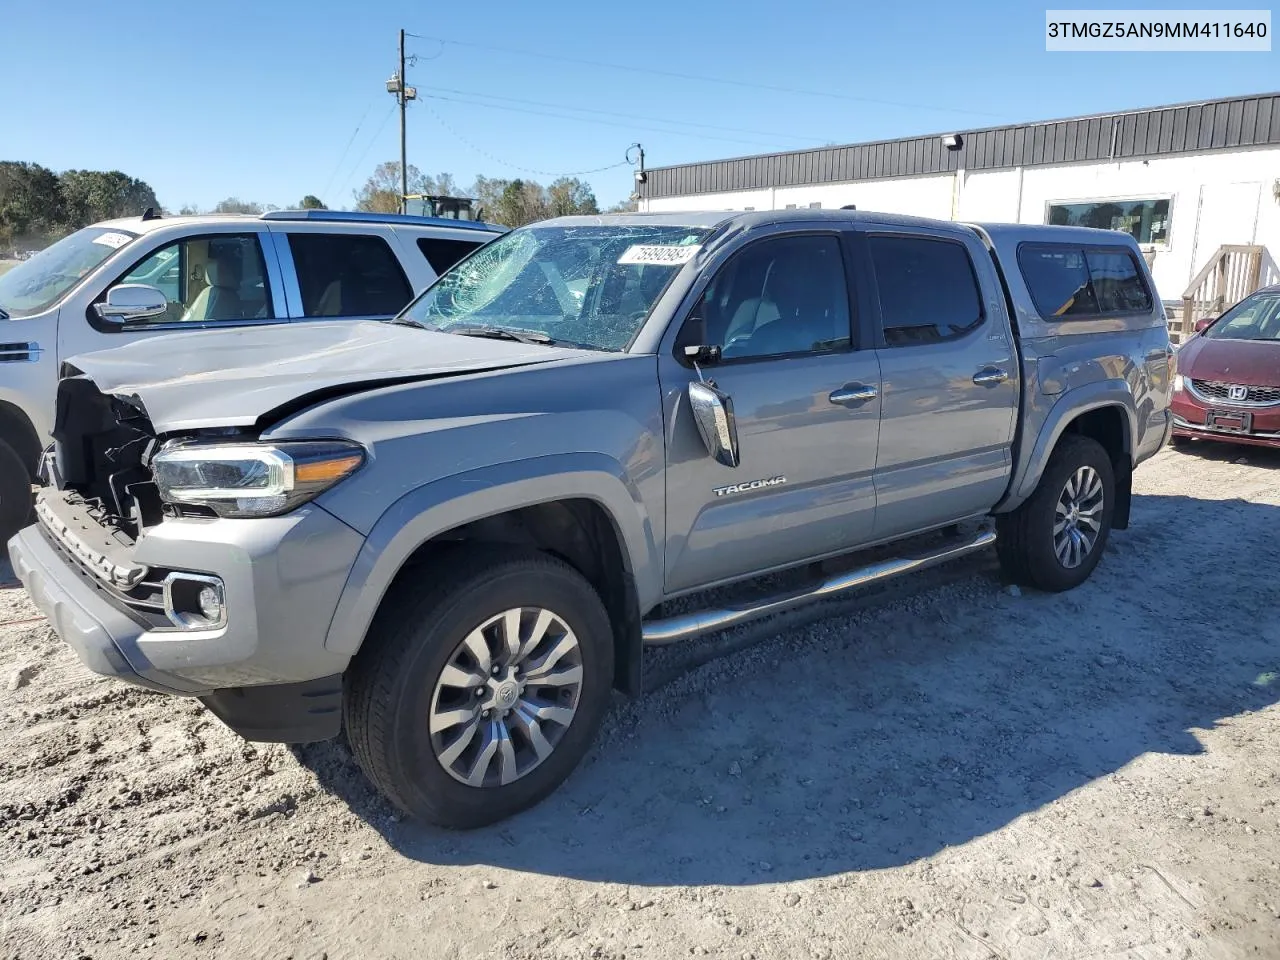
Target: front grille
143 602
1218 390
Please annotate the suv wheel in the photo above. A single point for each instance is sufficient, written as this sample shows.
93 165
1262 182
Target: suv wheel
15 493
1055 539
481 685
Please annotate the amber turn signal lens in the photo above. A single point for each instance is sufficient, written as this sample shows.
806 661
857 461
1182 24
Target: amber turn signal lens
325 471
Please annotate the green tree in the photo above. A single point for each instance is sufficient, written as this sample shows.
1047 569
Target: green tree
236 205
311 202
93 195
31 204
623 206
569 196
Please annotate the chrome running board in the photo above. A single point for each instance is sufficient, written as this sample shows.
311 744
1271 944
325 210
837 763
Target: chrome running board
687 625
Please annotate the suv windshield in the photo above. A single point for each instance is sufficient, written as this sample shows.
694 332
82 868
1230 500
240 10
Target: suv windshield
1253 318
589 286
36 284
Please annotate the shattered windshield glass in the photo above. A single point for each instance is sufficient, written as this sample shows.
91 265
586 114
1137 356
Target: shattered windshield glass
590 286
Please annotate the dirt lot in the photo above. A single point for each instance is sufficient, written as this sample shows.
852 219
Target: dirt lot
954 770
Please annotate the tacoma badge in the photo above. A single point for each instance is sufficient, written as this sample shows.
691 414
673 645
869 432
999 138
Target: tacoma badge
748 485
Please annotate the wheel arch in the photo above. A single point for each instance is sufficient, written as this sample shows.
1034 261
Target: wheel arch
1103 411
590 516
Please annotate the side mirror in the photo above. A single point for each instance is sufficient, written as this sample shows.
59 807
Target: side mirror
1205 324
713 413
132 301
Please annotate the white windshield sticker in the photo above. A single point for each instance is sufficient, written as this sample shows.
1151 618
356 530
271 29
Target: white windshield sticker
113 240
669 254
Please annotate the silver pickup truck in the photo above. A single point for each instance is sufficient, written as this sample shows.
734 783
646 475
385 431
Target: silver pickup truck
453 533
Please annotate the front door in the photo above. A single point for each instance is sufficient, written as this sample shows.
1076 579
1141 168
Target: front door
808 413
950 381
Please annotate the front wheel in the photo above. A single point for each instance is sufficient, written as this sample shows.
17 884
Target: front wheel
1055 539
15 494
481 685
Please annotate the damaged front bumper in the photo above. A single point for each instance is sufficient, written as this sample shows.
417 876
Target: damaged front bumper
265 671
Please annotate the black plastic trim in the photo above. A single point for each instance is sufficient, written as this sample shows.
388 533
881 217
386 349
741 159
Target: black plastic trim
282 712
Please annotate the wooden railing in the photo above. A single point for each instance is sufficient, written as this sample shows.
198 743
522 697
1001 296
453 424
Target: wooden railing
1231 274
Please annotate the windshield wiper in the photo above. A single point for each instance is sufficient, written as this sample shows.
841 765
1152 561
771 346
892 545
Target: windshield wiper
501 333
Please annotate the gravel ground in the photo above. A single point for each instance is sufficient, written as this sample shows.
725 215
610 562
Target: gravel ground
949 769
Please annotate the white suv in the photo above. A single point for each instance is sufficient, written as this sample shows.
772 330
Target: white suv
123 280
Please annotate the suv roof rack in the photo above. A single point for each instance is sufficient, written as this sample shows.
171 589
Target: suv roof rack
361 216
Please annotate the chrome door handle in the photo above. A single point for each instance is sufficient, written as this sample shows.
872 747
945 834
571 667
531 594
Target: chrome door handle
852 393
990 376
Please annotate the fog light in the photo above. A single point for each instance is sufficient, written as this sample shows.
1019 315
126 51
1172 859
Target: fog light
211 604
194 601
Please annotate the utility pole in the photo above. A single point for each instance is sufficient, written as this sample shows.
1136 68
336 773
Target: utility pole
403 94
404 164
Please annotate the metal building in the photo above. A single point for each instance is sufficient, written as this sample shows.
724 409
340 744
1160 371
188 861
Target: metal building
1197 184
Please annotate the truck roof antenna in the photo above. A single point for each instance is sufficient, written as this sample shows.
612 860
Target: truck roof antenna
150 214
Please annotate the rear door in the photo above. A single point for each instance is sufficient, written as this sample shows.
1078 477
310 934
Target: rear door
806 402
950 378
340 274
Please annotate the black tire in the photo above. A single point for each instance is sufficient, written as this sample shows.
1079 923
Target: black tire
15 493
1177 440
415 633
1025 541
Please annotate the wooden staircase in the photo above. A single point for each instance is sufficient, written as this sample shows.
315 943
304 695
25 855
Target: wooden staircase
1231 274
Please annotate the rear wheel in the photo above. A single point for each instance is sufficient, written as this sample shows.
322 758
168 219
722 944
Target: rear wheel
481 685
15 493
1055 539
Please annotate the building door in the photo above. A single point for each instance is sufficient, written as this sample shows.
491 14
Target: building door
1228 214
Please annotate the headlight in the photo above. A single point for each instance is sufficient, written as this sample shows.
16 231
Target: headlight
252 479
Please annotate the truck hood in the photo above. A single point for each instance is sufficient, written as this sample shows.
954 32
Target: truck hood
252 375
1253 363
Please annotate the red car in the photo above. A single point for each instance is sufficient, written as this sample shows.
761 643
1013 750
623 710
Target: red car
1228 382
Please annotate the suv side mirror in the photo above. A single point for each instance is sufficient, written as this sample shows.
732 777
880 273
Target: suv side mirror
1205 324
132 301
713 413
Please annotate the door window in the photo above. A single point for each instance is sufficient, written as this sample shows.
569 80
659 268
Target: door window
220 277
928 293
348 275
442 253
777 297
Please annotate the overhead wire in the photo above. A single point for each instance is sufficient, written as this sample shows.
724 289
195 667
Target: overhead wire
368 146
350 140
699 124
606 123
515 166
697 78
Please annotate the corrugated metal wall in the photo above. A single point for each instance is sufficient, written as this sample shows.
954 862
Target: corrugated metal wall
1216 125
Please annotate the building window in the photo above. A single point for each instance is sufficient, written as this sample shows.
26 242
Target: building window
1147 221
816 205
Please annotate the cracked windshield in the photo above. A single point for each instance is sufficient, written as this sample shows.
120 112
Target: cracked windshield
581 286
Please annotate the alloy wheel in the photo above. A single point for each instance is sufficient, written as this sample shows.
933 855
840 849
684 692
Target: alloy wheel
1077 520
506 697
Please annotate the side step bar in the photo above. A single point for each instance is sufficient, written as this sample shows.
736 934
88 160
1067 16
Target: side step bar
688 625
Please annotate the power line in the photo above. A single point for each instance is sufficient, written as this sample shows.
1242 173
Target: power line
797 91
634 116
515 166
606 123
368 146
350 140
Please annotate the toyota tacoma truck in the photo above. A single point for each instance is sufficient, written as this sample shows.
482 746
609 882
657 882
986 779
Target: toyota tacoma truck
450 535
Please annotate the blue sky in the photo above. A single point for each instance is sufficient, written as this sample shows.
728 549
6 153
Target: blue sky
269 101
